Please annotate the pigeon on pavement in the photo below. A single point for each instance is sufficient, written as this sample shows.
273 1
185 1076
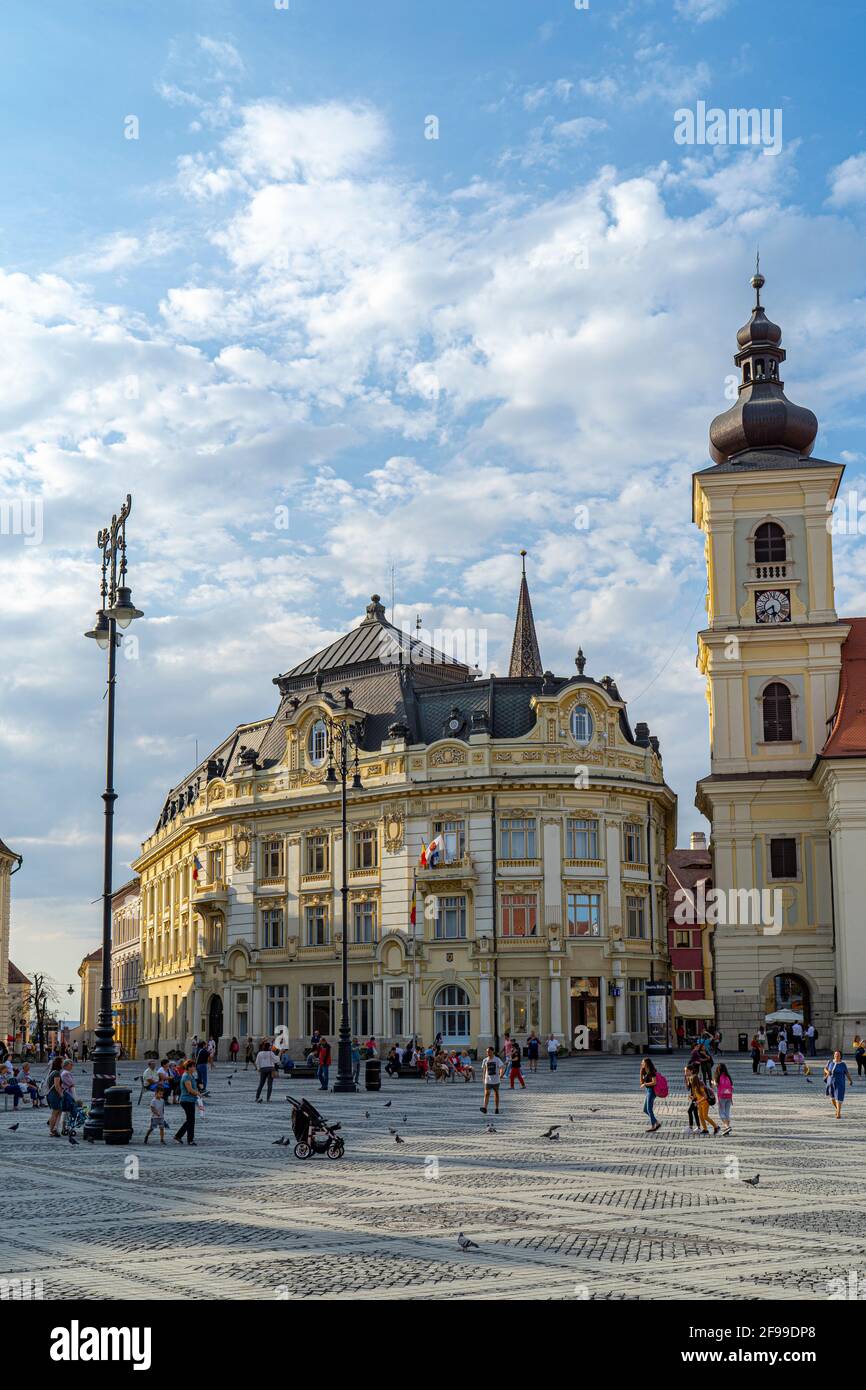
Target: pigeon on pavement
548 1134
752 1182
465 1243
398 1140
15 1126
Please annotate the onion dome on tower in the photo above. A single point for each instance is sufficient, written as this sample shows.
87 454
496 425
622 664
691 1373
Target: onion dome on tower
763 417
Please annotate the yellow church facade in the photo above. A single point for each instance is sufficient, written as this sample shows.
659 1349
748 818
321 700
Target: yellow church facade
545 911
786 792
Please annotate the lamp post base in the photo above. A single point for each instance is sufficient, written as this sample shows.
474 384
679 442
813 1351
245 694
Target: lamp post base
104 1059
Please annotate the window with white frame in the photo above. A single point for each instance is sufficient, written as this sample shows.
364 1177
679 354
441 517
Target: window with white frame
451 918
317 852
451 1015
319 1009
519 914
453 834
273 860
581 724
632 843
517 837
277 1002
273 934
636 917
583 913
581 838
636 1005
318 927
317 743
684 979
365 848
215 865
520 1004
364 921
682 938
361 1004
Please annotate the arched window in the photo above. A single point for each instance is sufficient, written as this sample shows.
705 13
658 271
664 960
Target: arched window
778 716
451 1014
581 724
318 743
770 544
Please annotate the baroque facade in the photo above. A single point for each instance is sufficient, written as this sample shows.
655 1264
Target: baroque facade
125 964
546 910
10 863
786 688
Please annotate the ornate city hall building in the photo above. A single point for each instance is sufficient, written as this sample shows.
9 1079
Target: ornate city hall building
786 687
544 910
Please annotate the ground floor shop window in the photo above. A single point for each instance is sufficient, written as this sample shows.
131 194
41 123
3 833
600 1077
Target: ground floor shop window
319 1009
361 999
277 1007
451 1014
636 1001
519 1003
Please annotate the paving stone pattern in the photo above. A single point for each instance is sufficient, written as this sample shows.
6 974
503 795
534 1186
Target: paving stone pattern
607 1212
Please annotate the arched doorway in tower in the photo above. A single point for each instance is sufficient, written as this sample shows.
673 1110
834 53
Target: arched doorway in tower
788 992
215 1018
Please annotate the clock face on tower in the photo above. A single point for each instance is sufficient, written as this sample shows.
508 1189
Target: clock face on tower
773 606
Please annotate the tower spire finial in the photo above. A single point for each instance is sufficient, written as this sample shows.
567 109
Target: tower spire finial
757 282
525 655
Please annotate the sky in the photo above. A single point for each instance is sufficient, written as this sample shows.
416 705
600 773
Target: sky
335 289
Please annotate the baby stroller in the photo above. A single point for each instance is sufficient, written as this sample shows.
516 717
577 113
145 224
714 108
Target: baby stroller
73 1118
313 1133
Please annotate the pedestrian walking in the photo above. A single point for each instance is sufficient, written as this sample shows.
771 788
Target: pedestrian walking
234 1049
797 1035
251 1055
533 1047
492 1072
648 1079
189 1098
811 1035
211 1052
859 1054
837 1076
67 1085
157 1115
506 1050
515 1074
782 1045
265 1066
202 1057
356 1060
681 1033
701 1094
725 1094
552 1050
324 1063
55 1102
755 1048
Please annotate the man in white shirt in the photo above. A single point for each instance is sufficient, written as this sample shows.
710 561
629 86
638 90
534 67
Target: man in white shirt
810 1039
265 1064
797 1032
492 1072
552 1051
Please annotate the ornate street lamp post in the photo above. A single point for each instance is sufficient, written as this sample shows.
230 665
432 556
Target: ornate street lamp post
343 763
116 610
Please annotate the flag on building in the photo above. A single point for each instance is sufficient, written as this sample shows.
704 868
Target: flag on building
413 910
196 865
432 853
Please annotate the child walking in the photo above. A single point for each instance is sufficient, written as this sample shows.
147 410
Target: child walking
700 1095
725 1094
157 1115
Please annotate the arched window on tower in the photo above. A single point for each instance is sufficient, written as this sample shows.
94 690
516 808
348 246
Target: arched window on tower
778 714
770 544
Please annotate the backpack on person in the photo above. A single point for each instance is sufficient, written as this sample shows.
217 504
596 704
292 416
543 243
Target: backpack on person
661 1086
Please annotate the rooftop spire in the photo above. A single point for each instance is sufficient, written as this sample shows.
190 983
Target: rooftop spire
525 656
762 418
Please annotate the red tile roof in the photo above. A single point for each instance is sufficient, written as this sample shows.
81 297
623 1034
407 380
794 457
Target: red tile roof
848 731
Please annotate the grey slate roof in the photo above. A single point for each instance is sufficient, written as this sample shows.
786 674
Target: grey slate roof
761 460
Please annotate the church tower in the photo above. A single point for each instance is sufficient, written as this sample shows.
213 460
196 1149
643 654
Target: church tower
771 653
525 655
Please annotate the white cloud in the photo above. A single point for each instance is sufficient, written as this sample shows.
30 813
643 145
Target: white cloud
848 181
699 11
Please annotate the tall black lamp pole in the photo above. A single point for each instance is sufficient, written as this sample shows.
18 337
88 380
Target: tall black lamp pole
341 765
116 610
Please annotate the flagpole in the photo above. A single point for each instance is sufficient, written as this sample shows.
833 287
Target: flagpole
414 953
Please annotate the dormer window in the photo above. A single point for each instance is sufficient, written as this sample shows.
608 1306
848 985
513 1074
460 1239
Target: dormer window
581 724
317 744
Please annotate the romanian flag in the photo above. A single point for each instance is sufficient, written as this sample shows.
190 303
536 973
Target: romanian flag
413 909
196 865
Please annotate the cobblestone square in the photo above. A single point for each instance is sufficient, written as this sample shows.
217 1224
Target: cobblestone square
606 1212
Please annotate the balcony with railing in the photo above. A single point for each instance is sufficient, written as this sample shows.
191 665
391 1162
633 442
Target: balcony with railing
459 869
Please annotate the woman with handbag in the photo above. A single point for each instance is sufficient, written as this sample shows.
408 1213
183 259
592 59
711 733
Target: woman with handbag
837 1075
648 1079
189 1101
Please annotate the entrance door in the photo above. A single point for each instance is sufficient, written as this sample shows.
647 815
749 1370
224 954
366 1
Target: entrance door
215 1018
586 1010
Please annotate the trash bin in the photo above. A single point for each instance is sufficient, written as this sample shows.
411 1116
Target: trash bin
743 1042
117 1128
373 1075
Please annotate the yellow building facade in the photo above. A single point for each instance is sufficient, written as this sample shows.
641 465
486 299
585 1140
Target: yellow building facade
545 911
773 653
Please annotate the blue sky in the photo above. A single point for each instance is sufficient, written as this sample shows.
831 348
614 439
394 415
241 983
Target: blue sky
430 350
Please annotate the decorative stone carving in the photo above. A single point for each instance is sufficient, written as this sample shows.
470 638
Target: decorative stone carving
393 827
243 839
447 757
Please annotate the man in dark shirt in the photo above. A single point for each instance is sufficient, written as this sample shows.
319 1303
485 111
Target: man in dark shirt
202 1057
516 1074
